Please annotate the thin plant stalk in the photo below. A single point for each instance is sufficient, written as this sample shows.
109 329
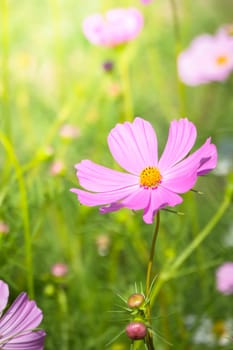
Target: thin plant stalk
177 36
126 88
169 273
24 212
152 253
149 337
4 19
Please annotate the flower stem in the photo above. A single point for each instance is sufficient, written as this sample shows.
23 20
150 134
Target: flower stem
180 85
5 68
170 272
126 88
152 252
149 337
24 209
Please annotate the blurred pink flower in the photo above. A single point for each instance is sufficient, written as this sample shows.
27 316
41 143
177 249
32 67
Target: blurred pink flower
209 58
4 228
150 184
59 269
68 131
17 324
57 168
117 26
224 278
145 2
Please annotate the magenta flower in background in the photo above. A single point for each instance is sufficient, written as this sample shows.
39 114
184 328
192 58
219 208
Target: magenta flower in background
17 324
116 27
208 58
150 184
224 278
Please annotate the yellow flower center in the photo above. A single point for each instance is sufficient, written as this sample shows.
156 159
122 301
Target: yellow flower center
221 60
150 177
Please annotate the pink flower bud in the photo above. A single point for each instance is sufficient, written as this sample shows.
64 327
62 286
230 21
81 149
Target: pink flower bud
136 330
135 300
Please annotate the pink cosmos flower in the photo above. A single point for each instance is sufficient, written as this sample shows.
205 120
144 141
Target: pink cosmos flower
117 26
224 278
209 58
149 183
18 323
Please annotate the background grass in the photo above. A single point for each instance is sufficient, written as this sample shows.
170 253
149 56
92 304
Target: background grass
50 75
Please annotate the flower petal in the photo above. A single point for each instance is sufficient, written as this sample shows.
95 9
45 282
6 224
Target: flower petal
92 199
29 340
204 159
181 138
4 294
182 183
137 200
134 145
110 208
160 198
22 314
209 159
97 178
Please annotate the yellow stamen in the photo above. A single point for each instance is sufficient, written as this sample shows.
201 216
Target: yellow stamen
150 177
221 60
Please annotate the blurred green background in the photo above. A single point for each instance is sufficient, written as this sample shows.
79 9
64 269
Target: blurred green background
50 76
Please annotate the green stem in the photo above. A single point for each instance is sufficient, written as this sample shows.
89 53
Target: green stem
25 214
149 336
126 89
152 253
5 68
180 85
166 275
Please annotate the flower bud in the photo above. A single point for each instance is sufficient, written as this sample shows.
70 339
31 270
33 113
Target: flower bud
108 66
136 330
135 300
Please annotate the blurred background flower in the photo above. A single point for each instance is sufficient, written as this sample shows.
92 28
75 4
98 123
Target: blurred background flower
145 2
224 278
57 168
59 269
4 227
69 131
208 58
115 27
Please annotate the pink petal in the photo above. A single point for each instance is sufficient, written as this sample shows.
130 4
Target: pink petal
137 200
134 145
204 159
4 294
97 178
22 314
181 138
110 208
209 161
92 199
160 198
29 340
180 183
